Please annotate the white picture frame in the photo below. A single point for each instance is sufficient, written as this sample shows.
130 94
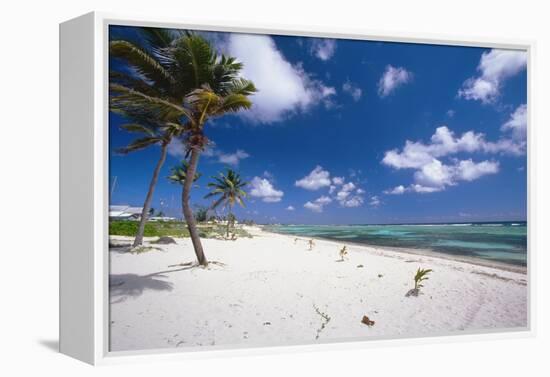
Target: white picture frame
84 180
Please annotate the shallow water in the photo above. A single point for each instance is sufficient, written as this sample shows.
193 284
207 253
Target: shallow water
503 242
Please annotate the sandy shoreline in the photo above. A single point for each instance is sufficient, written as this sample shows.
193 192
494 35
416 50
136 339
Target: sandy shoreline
418 252
269 290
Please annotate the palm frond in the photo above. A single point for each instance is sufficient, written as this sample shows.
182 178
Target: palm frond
241 202
242 86
132 82
190 60
139 144
145 64
159 37
233 103
138 128
218 202
127 100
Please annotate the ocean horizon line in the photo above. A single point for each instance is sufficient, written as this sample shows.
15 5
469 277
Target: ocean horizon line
522 222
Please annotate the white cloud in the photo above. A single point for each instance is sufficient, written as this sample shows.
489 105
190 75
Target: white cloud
290 208
324 200
338 180
283 88
263 188
318 204
443 142
353 201
392 79
353 90
350 186
432 174
326 96
451 113
375 201
424 189
342 195
349 195
176 148
517 123
313 207
398 190
468 170
324 49
232 158
494 67
315 180
436 176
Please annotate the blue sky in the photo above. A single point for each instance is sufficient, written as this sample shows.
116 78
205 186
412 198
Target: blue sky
358 132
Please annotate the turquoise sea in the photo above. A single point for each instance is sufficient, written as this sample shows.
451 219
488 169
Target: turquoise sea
495 241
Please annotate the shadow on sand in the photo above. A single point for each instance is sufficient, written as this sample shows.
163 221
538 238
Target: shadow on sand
122 286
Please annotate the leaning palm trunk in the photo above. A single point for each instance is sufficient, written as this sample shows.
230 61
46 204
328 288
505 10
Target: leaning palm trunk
188 212
147 205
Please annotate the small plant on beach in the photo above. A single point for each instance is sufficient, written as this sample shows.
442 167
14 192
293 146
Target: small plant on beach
343 252
325 320
419 277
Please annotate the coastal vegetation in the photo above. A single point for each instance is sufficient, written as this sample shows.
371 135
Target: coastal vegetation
172 228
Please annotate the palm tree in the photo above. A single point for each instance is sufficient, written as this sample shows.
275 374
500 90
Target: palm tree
178 173
149 98
180 82
228 190
229 94
150 136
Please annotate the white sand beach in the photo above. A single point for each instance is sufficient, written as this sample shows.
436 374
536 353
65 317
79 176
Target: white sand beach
271 290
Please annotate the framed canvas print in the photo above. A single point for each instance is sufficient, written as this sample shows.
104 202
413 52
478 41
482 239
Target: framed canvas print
233 189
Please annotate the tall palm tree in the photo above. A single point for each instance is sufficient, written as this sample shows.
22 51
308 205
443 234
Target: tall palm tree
180 81
150 136
205 104
228 190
